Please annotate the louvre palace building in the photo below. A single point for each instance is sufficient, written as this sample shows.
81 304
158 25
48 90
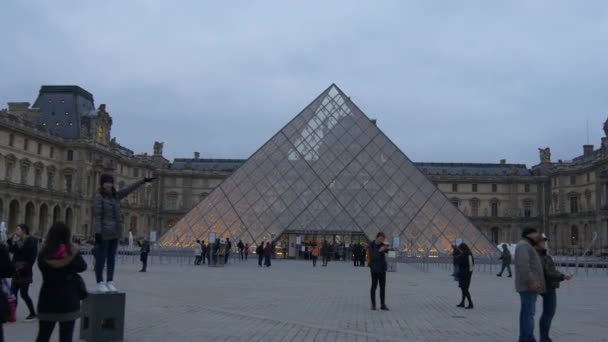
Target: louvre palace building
53 151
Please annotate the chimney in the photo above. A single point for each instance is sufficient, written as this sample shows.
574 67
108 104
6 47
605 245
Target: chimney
587 150
197 155
18 106
503 162
373 121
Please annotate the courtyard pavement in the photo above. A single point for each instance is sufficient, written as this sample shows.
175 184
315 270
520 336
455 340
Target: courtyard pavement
291 301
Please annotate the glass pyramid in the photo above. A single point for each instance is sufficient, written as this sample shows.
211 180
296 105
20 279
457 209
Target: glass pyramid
330 169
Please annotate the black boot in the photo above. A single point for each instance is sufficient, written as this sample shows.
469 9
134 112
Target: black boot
461 305
384 307
470 306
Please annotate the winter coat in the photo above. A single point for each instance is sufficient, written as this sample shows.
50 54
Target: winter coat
377 262
552 276
59 299
506 257
466 264
7 268
259 250
315 251
528 267
144 247
268 250
107 213
24 255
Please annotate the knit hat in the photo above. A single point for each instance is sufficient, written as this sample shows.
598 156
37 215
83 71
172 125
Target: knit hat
528 231
106 178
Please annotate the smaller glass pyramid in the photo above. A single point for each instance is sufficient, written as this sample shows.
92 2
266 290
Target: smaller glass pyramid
330 169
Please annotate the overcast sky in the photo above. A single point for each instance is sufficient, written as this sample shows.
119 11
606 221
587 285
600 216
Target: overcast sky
448 82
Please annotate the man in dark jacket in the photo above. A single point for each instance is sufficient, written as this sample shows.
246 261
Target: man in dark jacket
203 251
378 267
260 252
506 260
143 254
356 251
552 278
228 248
24 249
241 247
529 281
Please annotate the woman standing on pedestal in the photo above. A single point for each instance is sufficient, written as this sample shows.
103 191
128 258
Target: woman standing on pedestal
108 227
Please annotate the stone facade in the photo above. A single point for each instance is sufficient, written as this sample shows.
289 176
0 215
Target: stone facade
49 174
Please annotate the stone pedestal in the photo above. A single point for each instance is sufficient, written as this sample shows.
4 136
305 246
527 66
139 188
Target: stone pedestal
103 317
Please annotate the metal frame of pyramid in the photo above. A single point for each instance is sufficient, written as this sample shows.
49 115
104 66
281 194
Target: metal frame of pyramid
329 169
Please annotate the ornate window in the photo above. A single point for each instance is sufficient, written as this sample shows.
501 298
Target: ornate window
572 180
494 235
10 166
25 170
38 174
494 207
455 187
474 187
574 236
68 183
474 207
527 208
172 201
573 204
526 187
11 140
494 187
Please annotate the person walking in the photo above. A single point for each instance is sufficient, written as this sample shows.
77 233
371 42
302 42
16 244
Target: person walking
241 248
362 255
24 249
228 249
378 268
260 252
356 251
465 273
552 278
198 252
267 254
506 260
529 281
203 252
108 227
315 254
143 254
325 252
7 270
246 249
59 300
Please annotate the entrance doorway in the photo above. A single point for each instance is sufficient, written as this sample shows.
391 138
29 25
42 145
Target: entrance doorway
298 244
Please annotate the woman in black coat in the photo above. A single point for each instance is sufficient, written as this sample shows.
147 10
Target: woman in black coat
24 249
7 269
465 273
59 301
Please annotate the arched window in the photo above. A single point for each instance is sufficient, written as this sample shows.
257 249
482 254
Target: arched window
574 236
494 236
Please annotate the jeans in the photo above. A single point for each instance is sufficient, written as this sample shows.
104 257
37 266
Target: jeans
267 260
314 261
106 251
549 307
16 287
508 267
260 258
45 330
378 278
526 316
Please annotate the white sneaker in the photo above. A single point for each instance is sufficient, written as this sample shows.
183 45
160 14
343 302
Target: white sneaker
101 288
111 287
